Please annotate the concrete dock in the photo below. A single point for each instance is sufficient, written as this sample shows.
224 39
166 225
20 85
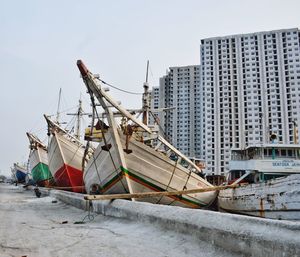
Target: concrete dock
42 227
45 226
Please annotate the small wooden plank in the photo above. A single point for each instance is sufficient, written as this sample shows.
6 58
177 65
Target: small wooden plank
155 194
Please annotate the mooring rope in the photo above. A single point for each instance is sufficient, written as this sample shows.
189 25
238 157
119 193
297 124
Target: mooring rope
170 179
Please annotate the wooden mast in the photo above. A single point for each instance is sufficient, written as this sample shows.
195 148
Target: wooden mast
58 106
78 124
146 98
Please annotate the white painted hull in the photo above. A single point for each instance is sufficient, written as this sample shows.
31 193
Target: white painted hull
147 170
20 172
65 161
37 156
62 151
103 169
20 168
276 199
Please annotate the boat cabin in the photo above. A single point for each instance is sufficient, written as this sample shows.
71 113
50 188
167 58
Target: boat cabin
262 162
267 151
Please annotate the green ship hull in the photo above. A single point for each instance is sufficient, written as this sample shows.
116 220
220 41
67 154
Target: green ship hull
42 176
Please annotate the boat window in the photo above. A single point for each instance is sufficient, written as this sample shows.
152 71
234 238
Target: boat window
251 153
265 152
269 152
257 152
291 153
235 174
243 155
173 157
254 153
272 176
297 153
184 163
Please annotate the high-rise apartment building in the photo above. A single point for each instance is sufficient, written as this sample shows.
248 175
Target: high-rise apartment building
250 88
179 89
154 105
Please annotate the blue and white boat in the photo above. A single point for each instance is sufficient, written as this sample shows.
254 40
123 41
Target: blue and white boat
20 173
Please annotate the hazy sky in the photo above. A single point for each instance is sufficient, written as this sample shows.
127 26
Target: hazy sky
40 42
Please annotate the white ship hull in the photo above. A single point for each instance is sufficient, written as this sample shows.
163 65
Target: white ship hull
140 167
147 170
37 156
65 162
38 165
20 173
276 199
103 171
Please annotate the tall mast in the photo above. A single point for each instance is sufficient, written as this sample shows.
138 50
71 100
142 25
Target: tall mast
79 115
146 98
58 106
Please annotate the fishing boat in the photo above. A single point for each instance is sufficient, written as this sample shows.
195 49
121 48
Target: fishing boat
132 157
269 178
66 157
19 172
38 162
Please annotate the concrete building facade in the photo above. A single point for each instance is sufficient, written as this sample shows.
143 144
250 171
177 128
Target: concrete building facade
154 105
250 89
178 89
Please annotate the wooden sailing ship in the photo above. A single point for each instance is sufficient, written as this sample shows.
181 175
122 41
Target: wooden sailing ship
132 157
65 156
38 162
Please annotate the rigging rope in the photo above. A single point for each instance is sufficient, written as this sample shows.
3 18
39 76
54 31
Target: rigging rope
120 89
184 187
175 166
160 127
